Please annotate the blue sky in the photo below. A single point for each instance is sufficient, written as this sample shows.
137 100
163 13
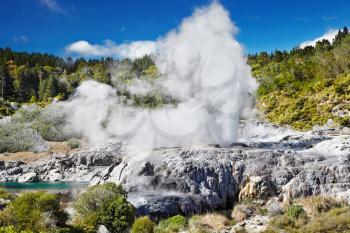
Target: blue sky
50 25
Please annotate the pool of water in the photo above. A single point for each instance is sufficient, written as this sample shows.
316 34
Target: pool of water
17 186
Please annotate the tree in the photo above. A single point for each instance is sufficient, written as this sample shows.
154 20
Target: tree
117 215
34 211
323 45
141 64
104 204
42 89
51 88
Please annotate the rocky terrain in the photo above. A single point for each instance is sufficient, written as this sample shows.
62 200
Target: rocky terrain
269 163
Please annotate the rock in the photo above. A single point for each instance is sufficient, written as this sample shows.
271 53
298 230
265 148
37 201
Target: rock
255 224
257 187
54 175
274 206
102 229
191 180
28 177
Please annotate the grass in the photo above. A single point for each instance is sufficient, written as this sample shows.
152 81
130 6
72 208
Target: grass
316 214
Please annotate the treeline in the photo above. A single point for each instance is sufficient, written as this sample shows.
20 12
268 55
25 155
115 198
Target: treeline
39 78
306 86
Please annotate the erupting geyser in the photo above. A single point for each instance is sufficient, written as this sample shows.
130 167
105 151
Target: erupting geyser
201 65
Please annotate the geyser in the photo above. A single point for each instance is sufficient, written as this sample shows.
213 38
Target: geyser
201 65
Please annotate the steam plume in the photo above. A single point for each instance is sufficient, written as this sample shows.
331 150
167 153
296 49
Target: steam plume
202 66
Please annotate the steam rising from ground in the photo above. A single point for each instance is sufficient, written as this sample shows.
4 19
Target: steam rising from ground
202 66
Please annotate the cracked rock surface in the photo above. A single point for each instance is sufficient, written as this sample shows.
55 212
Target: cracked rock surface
196 179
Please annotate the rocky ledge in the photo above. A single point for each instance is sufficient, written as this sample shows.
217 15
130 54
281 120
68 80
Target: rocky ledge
189 180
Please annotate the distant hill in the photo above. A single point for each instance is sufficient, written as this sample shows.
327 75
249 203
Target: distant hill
305 86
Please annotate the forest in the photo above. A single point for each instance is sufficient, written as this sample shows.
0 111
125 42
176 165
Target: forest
302 88
305 86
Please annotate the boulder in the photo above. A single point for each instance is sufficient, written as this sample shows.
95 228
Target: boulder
28 177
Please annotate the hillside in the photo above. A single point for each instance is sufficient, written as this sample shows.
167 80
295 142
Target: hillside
41 78
306 86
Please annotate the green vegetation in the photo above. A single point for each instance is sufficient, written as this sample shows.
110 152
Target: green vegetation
27 78
313 215
12 230
143 225
30 82
30 126
172 225
106 205
6 195
73 143
33 211
306 86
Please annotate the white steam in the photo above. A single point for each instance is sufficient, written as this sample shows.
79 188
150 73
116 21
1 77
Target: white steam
202 66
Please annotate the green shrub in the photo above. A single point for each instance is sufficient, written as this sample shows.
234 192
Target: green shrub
49 122
73 143
117 215
34 211
11 229
90 201
104 204
6 195
143 225
18 137
295 211
316 204
86 224
6 108
172 225
327 215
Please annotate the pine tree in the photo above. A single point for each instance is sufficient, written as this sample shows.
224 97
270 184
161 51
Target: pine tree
42 88
51 88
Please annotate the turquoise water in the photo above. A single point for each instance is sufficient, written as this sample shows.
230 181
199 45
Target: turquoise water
42 185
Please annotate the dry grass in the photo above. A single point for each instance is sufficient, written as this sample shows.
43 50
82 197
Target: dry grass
242 212
213 221
314 205
57 148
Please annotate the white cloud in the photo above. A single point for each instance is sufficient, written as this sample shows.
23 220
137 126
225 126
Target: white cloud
109 48
329 35
53 5
21 39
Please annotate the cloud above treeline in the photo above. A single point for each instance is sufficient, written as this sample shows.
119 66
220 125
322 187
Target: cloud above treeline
329 35
109 48
21 39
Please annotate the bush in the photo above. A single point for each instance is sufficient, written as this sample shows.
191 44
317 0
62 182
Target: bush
172 225
316 204
295 211
6 195
18 137
30 126
143 225
10 229
118 215
34 211
90 201
73 143
6 108
326 215
106 205
49 122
